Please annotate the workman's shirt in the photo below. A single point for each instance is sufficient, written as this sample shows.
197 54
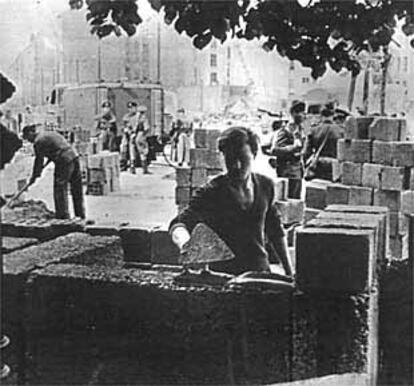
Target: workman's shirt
289 160
316 136
243 230
54 147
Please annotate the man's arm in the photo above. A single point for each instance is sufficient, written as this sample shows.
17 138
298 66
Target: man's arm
281 145
197 211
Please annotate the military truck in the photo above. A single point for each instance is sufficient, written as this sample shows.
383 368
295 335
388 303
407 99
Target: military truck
78 105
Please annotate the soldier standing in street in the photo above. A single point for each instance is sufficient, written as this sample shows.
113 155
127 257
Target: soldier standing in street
67 169
287 147
107 127
142 132
131 122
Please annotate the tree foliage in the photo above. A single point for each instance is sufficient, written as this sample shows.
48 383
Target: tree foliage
319 34
7 88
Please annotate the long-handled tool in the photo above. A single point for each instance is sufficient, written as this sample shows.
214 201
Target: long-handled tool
18 194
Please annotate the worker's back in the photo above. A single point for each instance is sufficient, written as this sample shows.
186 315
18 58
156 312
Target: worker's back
54 146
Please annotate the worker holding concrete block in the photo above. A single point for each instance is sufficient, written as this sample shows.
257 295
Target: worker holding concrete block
287 147
239 207
67 169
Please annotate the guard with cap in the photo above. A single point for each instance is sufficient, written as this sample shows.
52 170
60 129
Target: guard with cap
107 127
287 147
239 207
55 148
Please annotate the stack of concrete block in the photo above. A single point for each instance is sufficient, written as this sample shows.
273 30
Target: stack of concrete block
103 173
291 210
315 198
205 163
377 168
338 257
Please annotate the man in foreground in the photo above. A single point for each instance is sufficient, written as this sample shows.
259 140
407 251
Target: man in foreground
238 206
67 169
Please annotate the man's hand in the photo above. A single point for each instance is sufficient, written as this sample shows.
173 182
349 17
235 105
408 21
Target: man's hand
180 237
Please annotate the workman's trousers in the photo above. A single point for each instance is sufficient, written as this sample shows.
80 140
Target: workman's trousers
68 174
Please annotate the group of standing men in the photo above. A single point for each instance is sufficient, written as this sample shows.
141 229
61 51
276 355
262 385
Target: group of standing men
133 143
306 155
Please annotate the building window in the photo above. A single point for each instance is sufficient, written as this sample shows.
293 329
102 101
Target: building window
213 60
405 64
213 78
305 79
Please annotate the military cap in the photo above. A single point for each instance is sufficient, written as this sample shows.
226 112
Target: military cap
106 104
132 104
297 106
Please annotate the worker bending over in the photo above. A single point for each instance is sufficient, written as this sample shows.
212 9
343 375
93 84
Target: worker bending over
239 207
67 169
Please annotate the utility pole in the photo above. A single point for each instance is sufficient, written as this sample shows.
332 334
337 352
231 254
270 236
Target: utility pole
158 52
99 69
384 66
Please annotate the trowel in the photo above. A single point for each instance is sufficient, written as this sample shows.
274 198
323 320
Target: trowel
203 248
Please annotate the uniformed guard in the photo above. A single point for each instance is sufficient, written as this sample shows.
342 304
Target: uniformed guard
320 146
130 120
141 139
54 146
107 127
287 147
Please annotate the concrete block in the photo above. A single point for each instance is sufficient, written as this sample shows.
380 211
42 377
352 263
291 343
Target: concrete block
393 178
198 177
411 179
136 243
357 127
354 221
407 201
371 175
215 160
336 170
351 173
356 210
281 189
182 195
310 214
387 129
163 250
360 195
337 194
316 194
399 224
199 158
403 154
388 198
337 260
183 177
354 150
212 139
383 152
291 211
200 138
399 247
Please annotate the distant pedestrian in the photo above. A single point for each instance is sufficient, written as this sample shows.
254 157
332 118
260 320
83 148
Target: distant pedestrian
288 146
10 122
55 148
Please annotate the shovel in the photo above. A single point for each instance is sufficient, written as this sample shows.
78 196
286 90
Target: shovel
18 194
